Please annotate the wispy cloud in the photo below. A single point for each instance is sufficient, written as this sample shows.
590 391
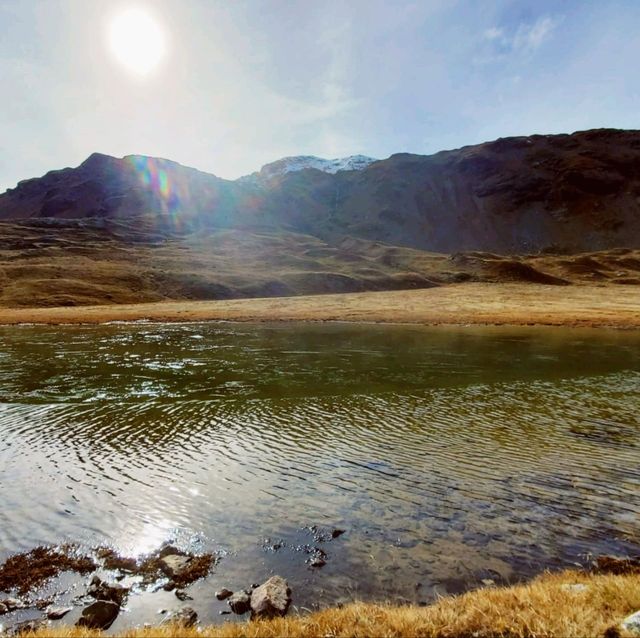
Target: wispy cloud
525 38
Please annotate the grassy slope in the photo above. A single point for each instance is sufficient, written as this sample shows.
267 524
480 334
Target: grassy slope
541 608
71 266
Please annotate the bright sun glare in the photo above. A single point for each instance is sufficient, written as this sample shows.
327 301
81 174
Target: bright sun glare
136 40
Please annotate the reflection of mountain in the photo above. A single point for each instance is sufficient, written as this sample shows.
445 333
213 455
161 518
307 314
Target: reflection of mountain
573 192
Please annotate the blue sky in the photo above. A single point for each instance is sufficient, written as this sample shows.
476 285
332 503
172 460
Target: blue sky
245 82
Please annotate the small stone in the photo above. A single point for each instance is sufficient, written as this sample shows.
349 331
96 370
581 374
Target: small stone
271 599
185 617
55 613
337 532
170 586
174 565
224 612
488 582
3 609
632 623
99 615
240 602
223 593
182 595
318 561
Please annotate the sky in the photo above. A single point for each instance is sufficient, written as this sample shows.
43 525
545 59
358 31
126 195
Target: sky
241 83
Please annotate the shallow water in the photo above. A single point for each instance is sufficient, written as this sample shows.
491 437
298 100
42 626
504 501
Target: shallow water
447 455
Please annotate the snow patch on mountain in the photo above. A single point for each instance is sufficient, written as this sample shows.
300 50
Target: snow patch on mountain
302 162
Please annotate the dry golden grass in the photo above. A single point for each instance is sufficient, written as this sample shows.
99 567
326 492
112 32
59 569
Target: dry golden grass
80 264
471 303
540 608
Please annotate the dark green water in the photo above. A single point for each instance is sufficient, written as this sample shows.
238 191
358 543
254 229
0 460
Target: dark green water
447 455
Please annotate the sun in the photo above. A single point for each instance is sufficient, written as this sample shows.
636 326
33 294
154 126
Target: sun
136 40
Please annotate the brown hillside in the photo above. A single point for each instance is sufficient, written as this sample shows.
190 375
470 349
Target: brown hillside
560 193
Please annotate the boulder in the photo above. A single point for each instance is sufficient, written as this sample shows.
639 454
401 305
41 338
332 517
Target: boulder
240 602
185 617
99 615
271 599
55 613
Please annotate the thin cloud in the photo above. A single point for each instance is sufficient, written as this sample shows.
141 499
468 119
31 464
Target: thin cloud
524 39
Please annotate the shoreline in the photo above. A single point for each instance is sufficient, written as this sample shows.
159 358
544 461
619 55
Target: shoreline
480 304
566 604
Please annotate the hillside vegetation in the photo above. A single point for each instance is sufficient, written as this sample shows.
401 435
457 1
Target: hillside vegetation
76 262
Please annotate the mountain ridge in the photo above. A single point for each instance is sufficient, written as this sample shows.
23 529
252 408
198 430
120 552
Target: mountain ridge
569 192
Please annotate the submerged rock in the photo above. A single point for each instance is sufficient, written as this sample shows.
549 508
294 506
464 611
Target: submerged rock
185 617
182 595
337 532
271 599
223 593
99 615
240 602
175 565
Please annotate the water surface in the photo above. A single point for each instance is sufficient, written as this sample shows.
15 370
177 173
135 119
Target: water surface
447 455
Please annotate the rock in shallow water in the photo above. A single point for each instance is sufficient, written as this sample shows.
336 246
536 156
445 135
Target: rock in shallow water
271 599
55 613
99 615
101 590
223 593
175 565
240 602
185 617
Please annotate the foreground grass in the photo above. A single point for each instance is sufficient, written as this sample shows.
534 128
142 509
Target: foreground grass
543 607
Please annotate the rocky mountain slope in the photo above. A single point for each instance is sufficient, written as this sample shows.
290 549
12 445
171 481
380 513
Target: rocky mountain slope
562 193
